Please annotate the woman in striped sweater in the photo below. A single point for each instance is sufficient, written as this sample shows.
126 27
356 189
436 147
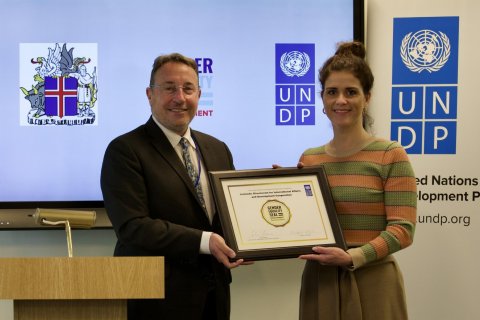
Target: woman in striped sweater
374 189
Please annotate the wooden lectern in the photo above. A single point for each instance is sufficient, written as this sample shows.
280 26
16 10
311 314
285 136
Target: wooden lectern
80 287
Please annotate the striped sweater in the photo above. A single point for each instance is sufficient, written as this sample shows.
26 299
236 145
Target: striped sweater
375 197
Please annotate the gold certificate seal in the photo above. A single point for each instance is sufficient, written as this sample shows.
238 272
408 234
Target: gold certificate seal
276 213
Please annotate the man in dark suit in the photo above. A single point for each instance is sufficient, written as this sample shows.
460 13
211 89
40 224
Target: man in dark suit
153 203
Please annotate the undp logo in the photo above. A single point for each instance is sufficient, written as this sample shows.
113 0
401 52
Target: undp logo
425 84
295 84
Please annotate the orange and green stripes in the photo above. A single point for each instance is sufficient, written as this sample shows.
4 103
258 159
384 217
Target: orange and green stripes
375 196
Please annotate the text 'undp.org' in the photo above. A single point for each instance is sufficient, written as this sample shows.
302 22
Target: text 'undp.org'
435 189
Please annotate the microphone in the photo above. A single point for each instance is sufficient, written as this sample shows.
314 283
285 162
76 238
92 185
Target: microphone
70 218
76 218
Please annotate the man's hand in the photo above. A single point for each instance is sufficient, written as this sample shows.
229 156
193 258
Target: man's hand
220 250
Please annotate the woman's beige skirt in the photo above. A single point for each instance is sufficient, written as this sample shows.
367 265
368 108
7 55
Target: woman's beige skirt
372 292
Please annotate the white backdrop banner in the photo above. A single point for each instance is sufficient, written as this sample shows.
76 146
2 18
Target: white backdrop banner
427 103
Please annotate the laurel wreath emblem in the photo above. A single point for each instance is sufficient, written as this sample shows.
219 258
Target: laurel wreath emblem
415 68
286 57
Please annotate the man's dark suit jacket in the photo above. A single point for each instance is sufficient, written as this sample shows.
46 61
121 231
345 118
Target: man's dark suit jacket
154 210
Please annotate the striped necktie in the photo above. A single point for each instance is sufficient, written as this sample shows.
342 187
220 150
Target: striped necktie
191 170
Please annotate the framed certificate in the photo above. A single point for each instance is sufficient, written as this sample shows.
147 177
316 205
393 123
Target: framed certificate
276 213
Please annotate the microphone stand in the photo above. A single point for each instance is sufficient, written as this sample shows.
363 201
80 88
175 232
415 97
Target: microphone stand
68 231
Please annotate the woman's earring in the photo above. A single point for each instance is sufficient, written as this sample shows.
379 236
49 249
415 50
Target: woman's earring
324 111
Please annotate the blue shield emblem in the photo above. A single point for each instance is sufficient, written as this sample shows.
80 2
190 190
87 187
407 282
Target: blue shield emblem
60 96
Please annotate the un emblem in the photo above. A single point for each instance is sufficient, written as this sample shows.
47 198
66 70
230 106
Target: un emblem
295 63
425 50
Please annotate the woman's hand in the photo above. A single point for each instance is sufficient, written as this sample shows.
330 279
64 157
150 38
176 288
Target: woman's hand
300 165
329 256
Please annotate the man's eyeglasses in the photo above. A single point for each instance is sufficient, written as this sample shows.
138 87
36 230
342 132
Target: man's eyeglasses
172 89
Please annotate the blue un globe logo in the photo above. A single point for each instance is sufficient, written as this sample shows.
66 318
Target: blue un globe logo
295 63
425 50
